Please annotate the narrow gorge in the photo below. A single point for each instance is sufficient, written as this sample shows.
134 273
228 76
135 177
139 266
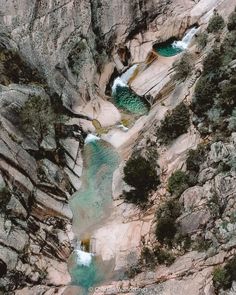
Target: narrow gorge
118 147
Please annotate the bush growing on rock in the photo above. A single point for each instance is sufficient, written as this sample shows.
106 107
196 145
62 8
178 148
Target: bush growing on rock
37 117
163 256
202 40
220 278
203 99
228 48
196 158
232 21
178 182
142 176
216 23
224 276
212 62
166 226
227 99
174 124
183 67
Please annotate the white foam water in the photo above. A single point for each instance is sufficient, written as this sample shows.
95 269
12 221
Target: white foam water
128 74
118 81
90 138
184 43
83 258
124 78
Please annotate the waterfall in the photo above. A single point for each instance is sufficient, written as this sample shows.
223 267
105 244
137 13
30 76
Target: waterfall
124 78
83 258
184 43
90 138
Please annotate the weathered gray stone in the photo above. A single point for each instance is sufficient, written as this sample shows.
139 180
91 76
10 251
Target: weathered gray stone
191 222
15 207
219 152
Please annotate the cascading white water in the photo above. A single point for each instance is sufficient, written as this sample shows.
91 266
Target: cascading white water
184 43
83 258
124 78
90 137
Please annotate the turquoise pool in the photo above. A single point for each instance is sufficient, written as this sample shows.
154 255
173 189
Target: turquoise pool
90 205
127 100
167 49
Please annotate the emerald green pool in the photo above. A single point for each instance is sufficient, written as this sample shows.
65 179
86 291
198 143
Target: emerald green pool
167 49
127 100
94 199
90 205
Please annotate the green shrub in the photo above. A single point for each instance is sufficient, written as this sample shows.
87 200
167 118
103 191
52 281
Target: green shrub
212 62
220 278
231 269
147 257
228 48
227 99
174 124
76 57
183 67
216 23
133 271
166 226
232 21
37 117
166 230
204 94
196 158
224 276
178 182
163 256
202 40
5 196
142 176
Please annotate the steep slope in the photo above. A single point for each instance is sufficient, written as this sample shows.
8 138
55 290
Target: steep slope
73 50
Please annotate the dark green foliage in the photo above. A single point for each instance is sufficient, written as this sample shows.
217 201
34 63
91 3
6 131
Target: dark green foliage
4 196
76 57
227 99
231 269
156 256
205 92
183 67
133 271
142 176
147 257
163 256
228 48
174 124
166 226
37 117
221 279
201 245
13 69
212 62
136 197
139 173
202 40
126 99
166 230
232 21
196 158
216 23
178 182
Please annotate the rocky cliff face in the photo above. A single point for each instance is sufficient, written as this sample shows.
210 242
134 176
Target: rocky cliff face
68 50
